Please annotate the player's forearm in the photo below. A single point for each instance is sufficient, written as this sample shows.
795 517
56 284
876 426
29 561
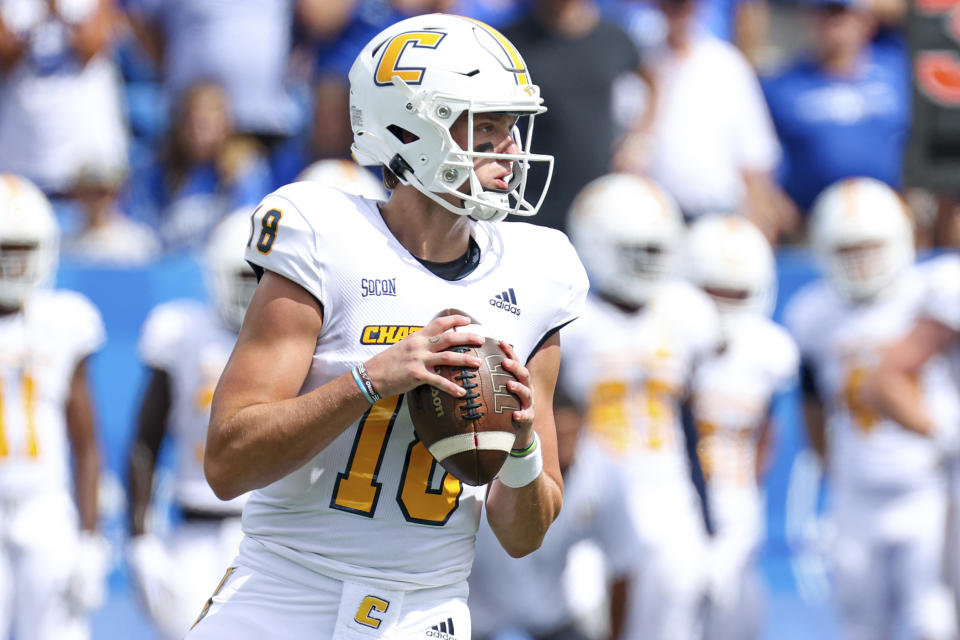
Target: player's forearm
86 475
140 487
520 517
895 394
257 445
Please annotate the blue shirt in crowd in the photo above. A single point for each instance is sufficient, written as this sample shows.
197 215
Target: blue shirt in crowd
833 127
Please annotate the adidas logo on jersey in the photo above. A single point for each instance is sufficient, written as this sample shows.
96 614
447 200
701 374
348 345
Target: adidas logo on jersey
443 631
506 300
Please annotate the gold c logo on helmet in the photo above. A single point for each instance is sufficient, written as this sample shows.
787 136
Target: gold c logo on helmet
390 60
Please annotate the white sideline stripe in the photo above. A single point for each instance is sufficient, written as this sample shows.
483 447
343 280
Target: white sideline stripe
452 445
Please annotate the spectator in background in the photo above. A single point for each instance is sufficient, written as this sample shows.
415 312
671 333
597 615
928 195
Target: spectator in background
711 143
841 110
578 58
108 236
243 45
329 136
206 170
59 91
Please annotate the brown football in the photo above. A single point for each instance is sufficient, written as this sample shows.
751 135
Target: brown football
470 436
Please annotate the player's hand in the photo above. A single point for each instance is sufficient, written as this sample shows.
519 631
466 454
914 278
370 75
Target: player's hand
522 387
411 362
87 586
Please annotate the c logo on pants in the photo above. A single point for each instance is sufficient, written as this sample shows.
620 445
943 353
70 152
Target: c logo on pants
367 606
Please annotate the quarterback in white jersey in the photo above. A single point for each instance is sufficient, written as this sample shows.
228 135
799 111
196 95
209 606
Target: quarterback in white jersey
629 361
595 511
352 529
732 390
52 562
186 344
889 495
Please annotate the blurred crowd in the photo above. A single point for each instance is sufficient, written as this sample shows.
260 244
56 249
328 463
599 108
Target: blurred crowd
692 138
148 121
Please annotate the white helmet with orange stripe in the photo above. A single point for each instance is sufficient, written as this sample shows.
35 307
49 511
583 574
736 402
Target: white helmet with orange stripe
346 176
414 80
861 235
627 231
731 260
29 240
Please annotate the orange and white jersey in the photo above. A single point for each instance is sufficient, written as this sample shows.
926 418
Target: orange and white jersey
374 505
40 348
732 391
187 340
842 342
631 371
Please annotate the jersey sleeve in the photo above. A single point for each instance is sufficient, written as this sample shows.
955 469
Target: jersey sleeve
784 359
161 334
283 240
87 330
942 303
571 279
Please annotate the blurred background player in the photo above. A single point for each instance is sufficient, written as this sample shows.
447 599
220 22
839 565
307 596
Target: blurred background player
935 332
733 391
631 358
595 511
185 344
885 479
52 561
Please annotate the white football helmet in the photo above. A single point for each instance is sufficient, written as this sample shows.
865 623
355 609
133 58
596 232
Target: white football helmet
230 280
627 231
861 236
730 259
418 76
29 240
346 176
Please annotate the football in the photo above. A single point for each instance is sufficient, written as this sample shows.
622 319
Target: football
470 436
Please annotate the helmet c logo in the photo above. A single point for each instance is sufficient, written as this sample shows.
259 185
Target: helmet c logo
390 60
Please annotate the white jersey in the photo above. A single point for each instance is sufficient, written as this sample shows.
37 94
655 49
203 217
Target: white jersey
374 505
631 370
187 340
943 298
40 349
732 391
594 508
842 342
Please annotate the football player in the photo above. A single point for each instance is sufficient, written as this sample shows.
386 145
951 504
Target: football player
53 562
631 359
888 488
731 261
352 529
935 332
593 512
185 345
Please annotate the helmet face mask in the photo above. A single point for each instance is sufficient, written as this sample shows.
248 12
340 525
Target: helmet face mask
29 240
861 236
412 83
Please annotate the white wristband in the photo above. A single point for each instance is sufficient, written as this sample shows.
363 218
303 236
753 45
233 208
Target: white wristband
519 471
